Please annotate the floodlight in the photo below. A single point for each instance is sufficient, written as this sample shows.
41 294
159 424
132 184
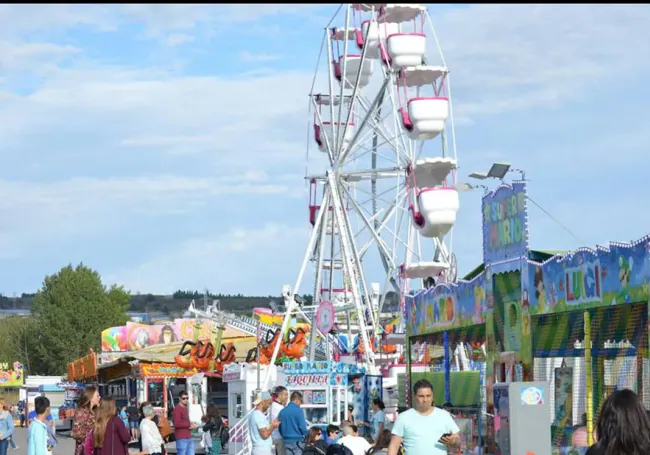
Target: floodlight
498 170
478 175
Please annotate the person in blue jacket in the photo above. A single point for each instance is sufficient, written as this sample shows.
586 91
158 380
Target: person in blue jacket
293 426
6 429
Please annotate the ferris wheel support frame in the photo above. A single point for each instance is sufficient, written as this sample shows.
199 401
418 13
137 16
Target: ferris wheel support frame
369 113
319 271
290 299
349 259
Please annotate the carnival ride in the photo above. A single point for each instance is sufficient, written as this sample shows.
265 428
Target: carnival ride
380 126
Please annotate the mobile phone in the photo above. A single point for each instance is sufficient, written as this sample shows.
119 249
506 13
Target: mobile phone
446 435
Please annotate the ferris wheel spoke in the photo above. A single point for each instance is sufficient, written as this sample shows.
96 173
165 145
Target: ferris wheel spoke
363 122
402 138
365 152
374 127
376 196
368 201
377 128
380 242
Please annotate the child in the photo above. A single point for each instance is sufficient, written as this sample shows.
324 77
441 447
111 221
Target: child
206 439
124 416
38 435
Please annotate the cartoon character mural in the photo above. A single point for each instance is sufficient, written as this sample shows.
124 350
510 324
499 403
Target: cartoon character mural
167 335
587 278
540 289
624 270
114 339
12 374
447 305
134 336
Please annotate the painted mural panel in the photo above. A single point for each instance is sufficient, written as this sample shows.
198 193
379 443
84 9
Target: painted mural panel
587 278
505 231
446 306
12 374
134 336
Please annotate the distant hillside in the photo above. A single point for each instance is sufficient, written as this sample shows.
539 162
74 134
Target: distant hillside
176 304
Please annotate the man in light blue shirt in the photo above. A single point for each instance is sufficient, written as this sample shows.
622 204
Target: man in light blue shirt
38 434
418 427
259 427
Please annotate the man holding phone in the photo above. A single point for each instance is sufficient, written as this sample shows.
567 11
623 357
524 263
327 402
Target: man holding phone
417 427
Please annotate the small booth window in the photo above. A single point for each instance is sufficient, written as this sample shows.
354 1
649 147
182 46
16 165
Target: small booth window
196 394
237 405
156 393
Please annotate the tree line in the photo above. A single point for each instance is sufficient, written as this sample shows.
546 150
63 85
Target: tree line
69 312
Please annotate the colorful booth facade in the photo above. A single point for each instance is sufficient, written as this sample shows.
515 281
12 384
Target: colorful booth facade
528 315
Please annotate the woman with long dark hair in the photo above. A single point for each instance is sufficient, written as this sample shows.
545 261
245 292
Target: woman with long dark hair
623 427
84 418
110 436
314 442
383 441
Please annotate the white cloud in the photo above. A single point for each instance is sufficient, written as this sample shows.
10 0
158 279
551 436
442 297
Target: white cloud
250 57
176 39
41 212
242 259
541 55
133 118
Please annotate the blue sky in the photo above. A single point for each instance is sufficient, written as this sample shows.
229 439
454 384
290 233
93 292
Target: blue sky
165 145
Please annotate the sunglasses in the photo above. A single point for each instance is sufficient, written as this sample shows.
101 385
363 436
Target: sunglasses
183 398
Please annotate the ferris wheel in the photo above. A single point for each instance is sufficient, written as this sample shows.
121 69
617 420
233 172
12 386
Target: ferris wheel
384 201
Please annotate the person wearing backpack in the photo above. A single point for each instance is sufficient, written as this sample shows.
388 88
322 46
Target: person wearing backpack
214 426
338 449
315 444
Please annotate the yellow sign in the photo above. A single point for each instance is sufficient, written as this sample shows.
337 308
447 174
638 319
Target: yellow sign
12 374
165 370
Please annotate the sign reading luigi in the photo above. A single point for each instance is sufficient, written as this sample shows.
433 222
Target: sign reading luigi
505 230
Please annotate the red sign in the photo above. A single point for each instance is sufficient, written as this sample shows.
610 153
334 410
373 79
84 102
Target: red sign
307 380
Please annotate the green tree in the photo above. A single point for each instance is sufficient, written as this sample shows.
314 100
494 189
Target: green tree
71 310
17 341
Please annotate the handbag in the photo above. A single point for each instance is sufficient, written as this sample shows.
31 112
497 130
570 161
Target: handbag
165 427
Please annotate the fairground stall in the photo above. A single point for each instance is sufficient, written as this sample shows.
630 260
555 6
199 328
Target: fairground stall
328 388
12 378
159 373
540 311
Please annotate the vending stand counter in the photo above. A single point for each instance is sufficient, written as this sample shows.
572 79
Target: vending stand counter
324 387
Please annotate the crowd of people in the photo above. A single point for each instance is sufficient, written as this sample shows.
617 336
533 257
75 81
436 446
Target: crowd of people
278 426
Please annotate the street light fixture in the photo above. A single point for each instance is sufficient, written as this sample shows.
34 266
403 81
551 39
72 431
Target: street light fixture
497 171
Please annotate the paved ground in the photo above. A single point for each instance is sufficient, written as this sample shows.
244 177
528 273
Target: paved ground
64 447
66 444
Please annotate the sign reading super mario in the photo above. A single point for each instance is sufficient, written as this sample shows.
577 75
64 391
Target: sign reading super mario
505 233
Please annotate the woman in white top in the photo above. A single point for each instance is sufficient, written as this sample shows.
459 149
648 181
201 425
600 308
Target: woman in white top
152 441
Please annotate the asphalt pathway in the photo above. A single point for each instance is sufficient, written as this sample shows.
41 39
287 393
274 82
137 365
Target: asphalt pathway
66 444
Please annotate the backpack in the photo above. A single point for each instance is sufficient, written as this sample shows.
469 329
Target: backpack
89 443
225 436
338 449
312 450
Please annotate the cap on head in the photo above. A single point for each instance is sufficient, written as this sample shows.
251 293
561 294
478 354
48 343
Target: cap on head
263 396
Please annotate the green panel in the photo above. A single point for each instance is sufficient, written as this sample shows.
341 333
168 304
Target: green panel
465 387
401 390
